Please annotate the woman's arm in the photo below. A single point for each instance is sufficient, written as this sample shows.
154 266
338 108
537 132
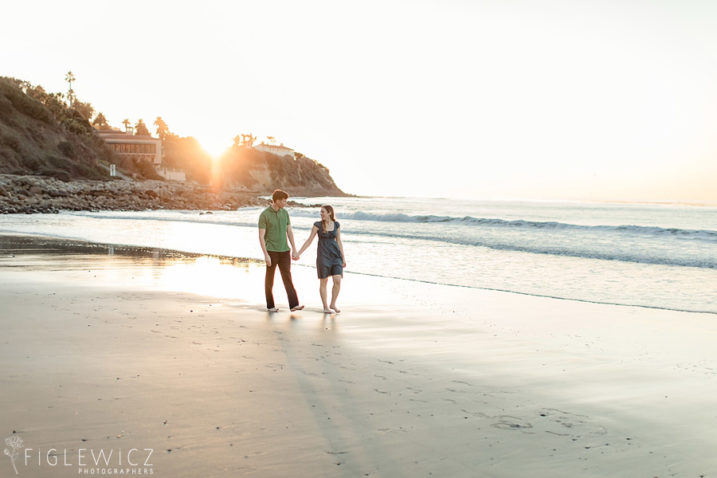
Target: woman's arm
308 242
341 246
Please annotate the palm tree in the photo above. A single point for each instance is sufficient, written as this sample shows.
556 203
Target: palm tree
141 129
248 140
69 78
100 121
162 128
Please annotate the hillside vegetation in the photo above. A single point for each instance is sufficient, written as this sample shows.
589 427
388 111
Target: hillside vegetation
40 135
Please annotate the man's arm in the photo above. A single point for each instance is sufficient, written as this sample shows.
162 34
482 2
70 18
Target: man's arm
262 242
290 235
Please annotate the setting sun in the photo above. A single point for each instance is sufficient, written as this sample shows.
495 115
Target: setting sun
215 147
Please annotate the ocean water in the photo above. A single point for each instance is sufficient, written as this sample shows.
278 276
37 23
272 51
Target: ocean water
657 255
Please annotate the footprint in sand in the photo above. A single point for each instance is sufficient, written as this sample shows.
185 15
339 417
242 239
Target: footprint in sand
560 422
507 422
453 390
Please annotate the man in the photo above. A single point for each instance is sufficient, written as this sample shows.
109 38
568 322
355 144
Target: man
274 228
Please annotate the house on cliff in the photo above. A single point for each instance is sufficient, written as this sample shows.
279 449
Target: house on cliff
279 150
140 148
126 145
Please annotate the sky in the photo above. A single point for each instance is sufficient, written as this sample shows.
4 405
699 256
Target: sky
487 99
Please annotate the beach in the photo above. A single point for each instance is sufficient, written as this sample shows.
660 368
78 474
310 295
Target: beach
117 348
519 198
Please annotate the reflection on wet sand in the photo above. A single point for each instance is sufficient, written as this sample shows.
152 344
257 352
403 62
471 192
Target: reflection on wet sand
161 269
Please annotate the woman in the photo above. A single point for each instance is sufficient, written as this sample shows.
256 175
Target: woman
330 259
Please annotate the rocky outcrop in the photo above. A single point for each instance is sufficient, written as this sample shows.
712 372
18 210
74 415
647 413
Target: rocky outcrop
37 194
263 172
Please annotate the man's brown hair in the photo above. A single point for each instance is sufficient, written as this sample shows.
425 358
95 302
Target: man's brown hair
279 195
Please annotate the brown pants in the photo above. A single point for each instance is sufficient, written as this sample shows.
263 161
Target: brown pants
283 260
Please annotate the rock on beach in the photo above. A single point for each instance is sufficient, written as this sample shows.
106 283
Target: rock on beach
39 194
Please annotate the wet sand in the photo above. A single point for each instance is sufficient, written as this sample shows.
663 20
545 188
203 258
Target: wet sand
119 348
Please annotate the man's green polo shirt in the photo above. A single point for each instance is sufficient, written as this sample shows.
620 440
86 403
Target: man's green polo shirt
275 224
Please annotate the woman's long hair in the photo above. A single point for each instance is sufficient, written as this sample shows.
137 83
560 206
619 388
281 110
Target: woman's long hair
330 210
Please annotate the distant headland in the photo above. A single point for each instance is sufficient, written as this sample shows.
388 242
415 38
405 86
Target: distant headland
57 153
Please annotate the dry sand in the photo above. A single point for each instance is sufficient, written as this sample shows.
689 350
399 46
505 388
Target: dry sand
176 355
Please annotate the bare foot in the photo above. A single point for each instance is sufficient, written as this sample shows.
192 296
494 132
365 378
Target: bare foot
335 309
298 307
328 311
273 309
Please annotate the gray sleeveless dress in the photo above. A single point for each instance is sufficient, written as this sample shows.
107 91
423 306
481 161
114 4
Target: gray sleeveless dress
328 254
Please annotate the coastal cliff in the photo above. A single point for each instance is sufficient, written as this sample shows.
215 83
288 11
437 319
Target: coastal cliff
246 167
40 135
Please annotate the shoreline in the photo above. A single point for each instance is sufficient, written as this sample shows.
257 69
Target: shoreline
176 354
89 246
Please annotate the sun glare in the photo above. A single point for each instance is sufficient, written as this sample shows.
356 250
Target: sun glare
215 148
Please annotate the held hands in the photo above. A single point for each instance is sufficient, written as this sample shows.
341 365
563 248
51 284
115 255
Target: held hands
295 255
